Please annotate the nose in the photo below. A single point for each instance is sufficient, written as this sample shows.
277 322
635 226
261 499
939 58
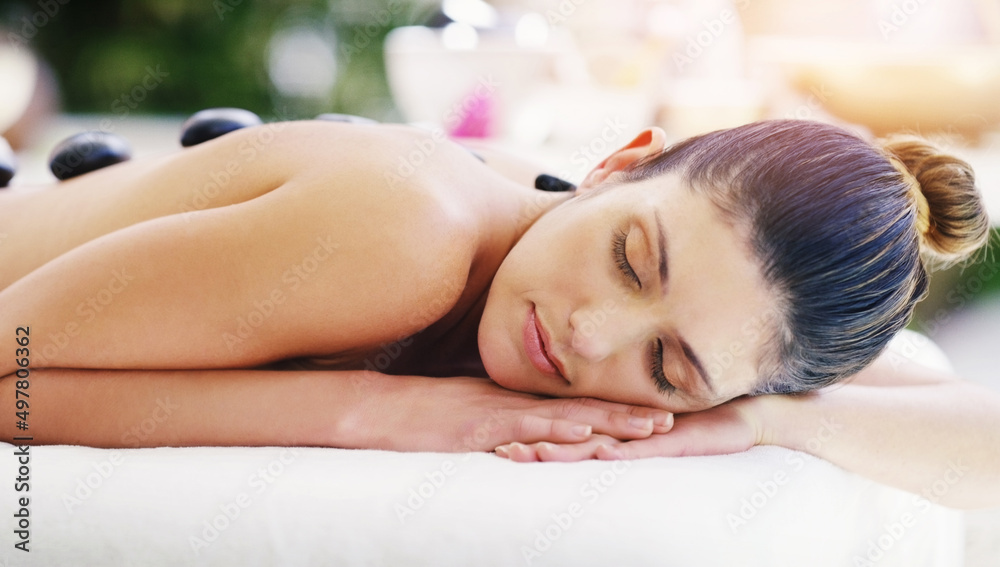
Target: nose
599 333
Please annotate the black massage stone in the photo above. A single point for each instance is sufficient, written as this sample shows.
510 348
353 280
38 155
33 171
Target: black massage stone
350 118
211 123
86 152
8 163
547 182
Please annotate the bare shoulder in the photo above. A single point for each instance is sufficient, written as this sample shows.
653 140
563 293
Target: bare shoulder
381 204
389 190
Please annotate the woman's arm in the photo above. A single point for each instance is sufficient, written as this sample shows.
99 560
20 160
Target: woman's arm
899 423
350 409
937 439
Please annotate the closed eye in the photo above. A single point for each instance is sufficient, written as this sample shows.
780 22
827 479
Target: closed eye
621 259
656 368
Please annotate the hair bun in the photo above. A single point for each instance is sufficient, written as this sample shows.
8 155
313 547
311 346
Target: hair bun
957 223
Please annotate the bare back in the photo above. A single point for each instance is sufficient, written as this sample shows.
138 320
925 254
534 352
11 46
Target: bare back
290 240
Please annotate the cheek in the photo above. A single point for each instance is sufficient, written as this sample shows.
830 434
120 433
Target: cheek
556 262
498 336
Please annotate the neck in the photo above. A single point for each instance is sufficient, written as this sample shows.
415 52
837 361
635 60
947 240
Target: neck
507 212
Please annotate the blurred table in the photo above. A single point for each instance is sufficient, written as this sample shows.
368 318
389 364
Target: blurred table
147 136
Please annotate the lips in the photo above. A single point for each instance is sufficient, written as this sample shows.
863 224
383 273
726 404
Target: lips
534 346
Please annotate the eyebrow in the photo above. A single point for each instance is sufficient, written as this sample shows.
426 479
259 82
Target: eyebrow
661 239
696 362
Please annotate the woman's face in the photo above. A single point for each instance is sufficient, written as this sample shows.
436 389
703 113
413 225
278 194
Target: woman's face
639 293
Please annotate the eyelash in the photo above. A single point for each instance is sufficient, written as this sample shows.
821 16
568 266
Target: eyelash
656 368
656 348
618 249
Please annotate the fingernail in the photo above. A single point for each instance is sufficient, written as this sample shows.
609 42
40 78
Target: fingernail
662 419
581 430
641 422
515 445
501 450
546 446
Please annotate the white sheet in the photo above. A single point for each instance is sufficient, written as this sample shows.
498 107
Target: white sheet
279 506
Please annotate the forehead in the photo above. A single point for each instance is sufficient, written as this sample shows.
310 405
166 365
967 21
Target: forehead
717 298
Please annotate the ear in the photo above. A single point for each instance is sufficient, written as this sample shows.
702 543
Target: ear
651 141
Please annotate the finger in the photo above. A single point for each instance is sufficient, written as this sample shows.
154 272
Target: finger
710 432
576 451
533 428
662 420
682 443
556 452
606 419
518 452
656 446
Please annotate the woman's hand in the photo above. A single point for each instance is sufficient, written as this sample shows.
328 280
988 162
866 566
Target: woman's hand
413 413
732 427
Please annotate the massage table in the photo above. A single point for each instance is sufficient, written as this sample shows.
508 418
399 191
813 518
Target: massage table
768 506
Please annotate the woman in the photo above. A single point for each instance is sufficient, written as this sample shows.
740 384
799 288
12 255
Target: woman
301 283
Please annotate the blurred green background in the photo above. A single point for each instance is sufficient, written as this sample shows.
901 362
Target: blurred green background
271 56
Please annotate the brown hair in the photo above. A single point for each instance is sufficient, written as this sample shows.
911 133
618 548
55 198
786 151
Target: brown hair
957 224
